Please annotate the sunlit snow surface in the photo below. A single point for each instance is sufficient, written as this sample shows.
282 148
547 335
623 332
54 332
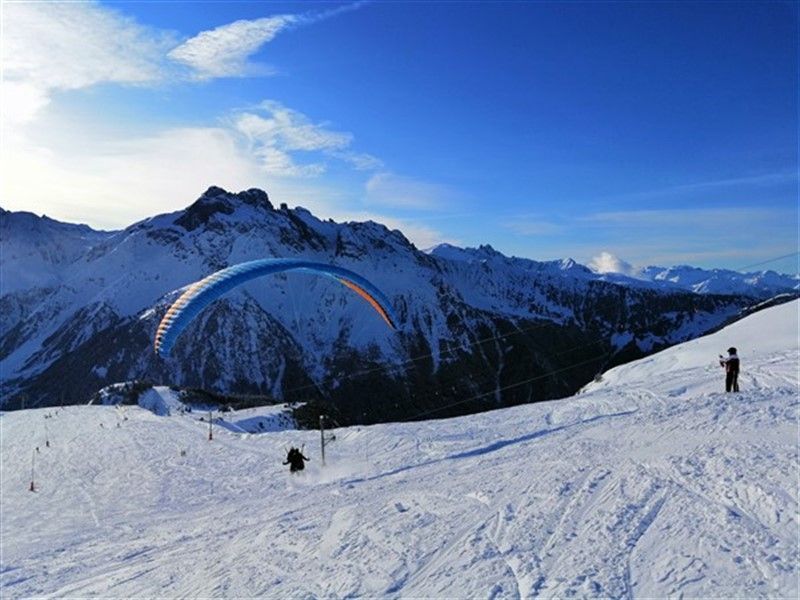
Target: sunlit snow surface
652 482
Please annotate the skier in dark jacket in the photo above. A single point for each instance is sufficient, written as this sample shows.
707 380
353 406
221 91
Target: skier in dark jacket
296 459
731 364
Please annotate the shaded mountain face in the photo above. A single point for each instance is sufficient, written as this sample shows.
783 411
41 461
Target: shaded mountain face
36 250
477 329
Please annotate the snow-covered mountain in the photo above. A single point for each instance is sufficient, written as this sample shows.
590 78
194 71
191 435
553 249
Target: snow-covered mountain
763 284
651 483
723 281
36 250
760 284
470 328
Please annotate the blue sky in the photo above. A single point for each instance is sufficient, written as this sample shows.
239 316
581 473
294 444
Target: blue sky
662 133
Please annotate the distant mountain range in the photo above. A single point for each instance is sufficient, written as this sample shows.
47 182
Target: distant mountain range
761 284
78 310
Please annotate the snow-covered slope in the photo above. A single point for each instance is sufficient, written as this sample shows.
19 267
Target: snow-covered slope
764 334
651 483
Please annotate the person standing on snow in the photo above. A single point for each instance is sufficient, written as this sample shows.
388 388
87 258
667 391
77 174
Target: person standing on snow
731 364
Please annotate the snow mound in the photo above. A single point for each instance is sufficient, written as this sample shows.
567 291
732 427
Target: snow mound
264 419
161 401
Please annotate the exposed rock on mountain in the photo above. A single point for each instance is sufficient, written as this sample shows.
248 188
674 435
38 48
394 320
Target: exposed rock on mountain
477 329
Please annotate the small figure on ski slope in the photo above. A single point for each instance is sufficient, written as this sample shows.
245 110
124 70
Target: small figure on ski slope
296 459
731 364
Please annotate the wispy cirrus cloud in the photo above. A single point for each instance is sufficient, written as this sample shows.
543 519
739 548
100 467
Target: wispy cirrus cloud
51 47
112 183
55 46
699 189
692 217
109 182
290 129
361 161
763 179
225 50
281 164
47 47
387 189
278 135
731 222
75 45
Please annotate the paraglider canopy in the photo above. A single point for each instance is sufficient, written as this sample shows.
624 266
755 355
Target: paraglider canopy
202 293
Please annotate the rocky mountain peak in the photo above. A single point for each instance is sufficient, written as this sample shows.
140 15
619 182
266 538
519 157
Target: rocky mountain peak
254 197
214 191
567 264
216 200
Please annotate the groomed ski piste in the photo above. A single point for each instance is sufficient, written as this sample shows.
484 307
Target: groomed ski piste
652 482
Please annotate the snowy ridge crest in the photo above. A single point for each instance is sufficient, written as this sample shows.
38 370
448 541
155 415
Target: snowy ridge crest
473 322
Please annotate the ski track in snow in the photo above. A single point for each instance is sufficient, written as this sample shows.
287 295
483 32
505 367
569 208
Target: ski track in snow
650 483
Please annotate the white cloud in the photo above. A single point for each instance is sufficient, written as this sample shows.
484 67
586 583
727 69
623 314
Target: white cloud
606 262
112 184
112 181
290 129
388 189
764 179
64 46
279 163
75 45
223 51
281 133
21 101
359 160
53 46
48 47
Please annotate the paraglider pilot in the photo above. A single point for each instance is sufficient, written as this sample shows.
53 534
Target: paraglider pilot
731 364
296 459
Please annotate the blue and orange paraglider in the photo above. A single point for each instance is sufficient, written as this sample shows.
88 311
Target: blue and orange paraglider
204 292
